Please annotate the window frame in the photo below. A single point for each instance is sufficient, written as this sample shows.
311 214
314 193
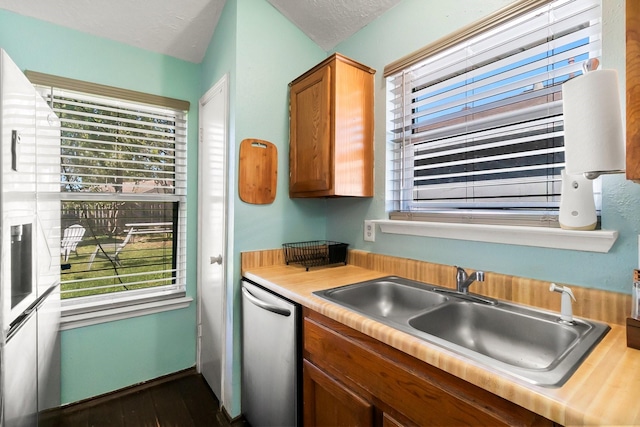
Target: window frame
529 218
88 310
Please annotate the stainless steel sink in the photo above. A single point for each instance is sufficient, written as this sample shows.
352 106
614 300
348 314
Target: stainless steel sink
391 298
527 343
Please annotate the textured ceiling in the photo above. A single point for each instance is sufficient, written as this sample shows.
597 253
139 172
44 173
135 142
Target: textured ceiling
183 28
329 22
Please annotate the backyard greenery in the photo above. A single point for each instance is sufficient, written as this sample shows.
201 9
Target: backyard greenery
120 205
145 262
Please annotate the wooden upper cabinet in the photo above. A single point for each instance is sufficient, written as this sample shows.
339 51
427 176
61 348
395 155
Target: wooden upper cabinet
633 88
331 130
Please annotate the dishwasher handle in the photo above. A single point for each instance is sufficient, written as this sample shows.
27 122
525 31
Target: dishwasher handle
264 305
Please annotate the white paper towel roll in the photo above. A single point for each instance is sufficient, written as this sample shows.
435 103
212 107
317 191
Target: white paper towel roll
593 134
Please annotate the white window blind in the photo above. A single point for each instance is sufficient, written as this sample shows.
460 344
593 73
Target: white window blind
123 183
478 127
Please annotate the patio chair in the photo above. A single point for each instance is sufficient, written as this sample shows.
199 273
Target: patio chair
71 237
110 251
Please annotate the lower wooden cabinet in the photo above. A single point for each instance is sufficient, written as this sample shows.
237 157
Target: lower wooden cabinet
329 403
351 379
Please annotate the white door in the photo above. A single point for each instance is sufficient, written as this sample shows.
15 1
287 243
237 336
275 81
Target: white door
212 236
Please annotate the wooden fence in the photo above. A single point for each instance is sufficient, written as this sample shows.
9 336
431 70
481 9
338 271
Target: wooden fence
110 218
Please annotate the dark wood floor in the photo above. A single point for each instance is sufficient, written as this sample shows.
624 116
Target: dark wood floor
181 401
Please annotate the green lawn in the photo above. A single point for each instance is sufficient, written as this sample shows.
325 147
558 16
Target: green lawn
138 261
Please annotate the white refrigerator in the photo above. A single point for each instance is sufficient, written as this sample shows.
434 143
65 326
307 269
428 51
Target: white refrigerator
29 250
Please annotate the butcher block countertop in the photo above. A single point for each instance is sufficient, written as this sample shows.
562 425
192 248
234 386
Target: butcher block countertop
605 390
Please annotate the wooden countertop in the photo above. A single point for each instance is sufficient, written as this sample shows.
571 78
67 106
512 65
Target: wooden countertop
605 390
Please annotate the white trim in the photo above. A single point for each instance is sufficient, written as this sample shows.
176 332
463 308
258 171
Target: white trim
120 313
588 241
109 300
220 88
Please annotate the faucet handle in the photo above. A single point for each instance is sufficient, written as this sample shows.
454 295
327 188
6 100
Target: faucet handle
562 289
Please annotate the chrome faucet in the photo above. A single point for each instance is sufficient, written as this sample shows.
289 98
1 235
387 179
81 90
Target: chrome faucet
464 280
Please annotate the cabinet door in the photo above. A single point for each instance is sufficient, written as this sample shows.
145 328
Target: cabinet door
328 403
632 17
311 157
389 421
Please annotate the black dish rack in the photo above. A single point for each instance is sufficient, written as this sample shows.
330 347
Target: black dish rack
315 253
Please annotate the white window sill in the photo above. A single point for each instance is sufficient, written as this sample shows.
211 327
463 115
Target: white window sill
72 321
589 241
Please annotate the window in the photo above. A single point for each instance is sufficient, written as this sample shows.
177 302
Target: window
123 191
475 121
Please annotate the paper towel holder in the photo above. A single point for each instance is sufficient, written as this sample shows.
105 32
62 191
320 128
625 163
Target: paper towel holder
577 207
593 131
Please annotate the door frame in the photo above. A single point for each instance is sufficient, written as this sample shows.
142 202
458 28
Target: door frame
221 85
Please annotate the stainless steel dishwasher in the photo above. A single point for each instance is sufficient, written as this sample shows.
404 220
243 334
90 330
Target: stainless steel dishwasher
270 358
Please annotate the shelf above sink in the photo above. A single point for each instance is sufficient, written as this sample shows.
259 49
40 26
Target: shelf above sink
600 241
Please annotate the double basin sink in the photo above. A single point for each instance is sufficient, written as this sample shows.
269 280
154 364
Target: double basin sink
527 343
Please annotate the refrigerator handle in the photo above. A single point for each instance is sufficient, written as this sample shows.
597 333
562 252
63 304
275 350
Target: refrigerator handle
26 314
20 321
264 305
15 149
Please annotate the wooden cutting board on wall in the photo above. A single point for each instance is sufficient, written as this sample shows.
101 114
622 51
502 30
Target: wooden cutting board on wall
258 171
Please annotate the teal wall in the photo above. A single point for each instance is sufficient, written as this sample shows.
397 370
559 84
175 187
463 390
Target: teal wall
106 357
413 24
262 52
109 356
